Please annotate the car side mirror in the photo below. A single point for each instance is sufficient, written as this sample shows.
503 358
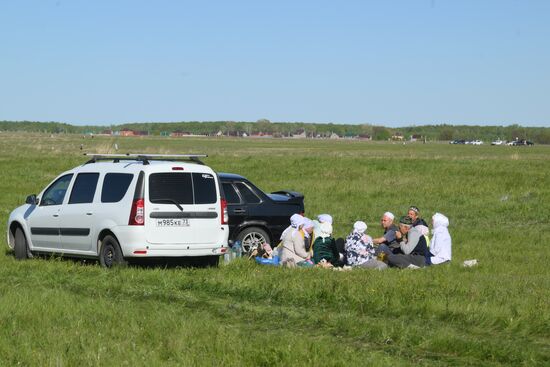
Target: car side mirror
31 199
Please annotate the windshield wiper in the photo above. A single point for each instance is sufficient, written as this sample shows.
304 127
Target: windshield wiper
169 201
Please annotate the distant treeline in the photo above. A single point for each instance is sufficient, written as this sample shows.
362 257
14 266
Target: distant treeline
540 135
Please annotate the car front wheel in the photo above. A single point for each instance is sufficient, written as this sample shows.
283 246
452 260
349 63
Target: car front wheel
20 247
252 238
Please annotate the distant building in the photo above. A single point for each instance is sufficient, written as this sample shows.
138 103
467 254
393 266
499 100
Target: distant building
300 134
334 136
262 135
416 137
179 133
397 136
364 137
127 132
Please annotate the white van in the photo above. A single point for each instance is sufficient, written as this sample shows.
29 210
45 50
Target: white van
116 207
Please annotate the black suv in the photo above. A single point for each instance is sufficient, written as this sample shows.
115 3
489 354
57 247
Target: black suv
255 217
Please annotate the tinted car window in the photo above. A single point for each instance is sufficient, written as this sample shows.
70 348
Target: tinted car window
115 186
230 194
56 192
84 188
204 187
164 187
247 194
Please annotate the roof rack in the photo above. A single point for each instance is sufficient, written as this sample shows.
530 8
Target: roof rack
145 158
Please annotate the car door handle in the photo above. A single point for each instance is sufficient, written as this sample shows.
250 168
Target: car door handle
239 211
90 213
56 215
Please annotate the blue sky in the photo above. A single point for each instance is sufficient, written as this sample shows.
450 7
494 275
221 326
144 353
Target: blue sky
390 62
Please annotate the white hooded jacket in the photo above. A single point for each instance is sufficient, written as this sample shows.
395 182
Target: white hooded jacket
440 245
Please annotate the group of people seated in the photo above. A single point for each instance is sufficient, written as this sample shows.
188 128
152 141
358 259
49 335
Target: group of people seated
309 242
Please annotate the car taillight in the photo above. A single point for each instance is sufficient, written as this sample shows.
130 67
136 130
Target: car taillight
225 216
137 213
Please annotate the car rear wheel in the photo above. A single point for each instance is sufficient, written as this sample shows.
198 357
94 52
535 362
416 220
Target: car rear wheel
252 238
110 254
20 247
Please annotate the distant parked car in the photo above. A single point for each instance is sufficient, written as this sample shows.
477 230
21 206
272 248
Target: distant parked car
521 142
497 142
477 142
255 217
458 141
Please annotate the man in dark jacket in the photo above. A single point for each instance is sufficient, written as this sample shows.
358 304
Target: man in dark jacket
414 247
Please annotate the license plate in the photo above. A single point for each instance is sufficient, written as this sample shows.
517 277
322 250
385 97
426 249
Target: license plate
182 222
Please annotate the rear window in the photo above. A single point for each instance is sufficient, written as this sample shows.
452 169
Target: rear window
84 188
230 194
204 188
247 193
166 187
115 186
183 188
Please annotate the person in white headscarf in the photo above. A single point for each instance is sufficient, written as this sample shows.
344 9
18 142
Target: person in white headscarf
321 218
359 249
440 245
324 246
295 221
293 246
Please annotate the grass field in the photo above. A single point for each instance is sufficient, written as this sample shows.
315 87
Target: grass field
66 313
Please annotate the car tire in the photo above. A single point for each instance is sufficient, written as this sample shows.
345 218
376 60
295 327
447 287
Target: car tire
252 237
110 254
21 248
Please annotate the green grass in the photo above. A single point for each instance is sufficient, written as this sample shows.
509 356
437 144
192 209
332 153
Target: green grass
65 313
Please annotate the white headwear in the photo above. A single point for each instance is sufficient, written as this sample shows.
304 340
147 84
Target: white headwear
308 223
441 244
324 218
296 220
389 215
440 220
326 230
359 227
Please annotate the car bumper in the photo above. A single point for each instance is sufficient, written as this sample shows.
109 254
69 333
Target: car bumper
133 244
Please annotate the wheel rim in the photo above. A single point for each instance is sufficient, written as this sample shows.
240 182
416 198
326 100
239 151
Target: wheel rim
252 240
108 255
